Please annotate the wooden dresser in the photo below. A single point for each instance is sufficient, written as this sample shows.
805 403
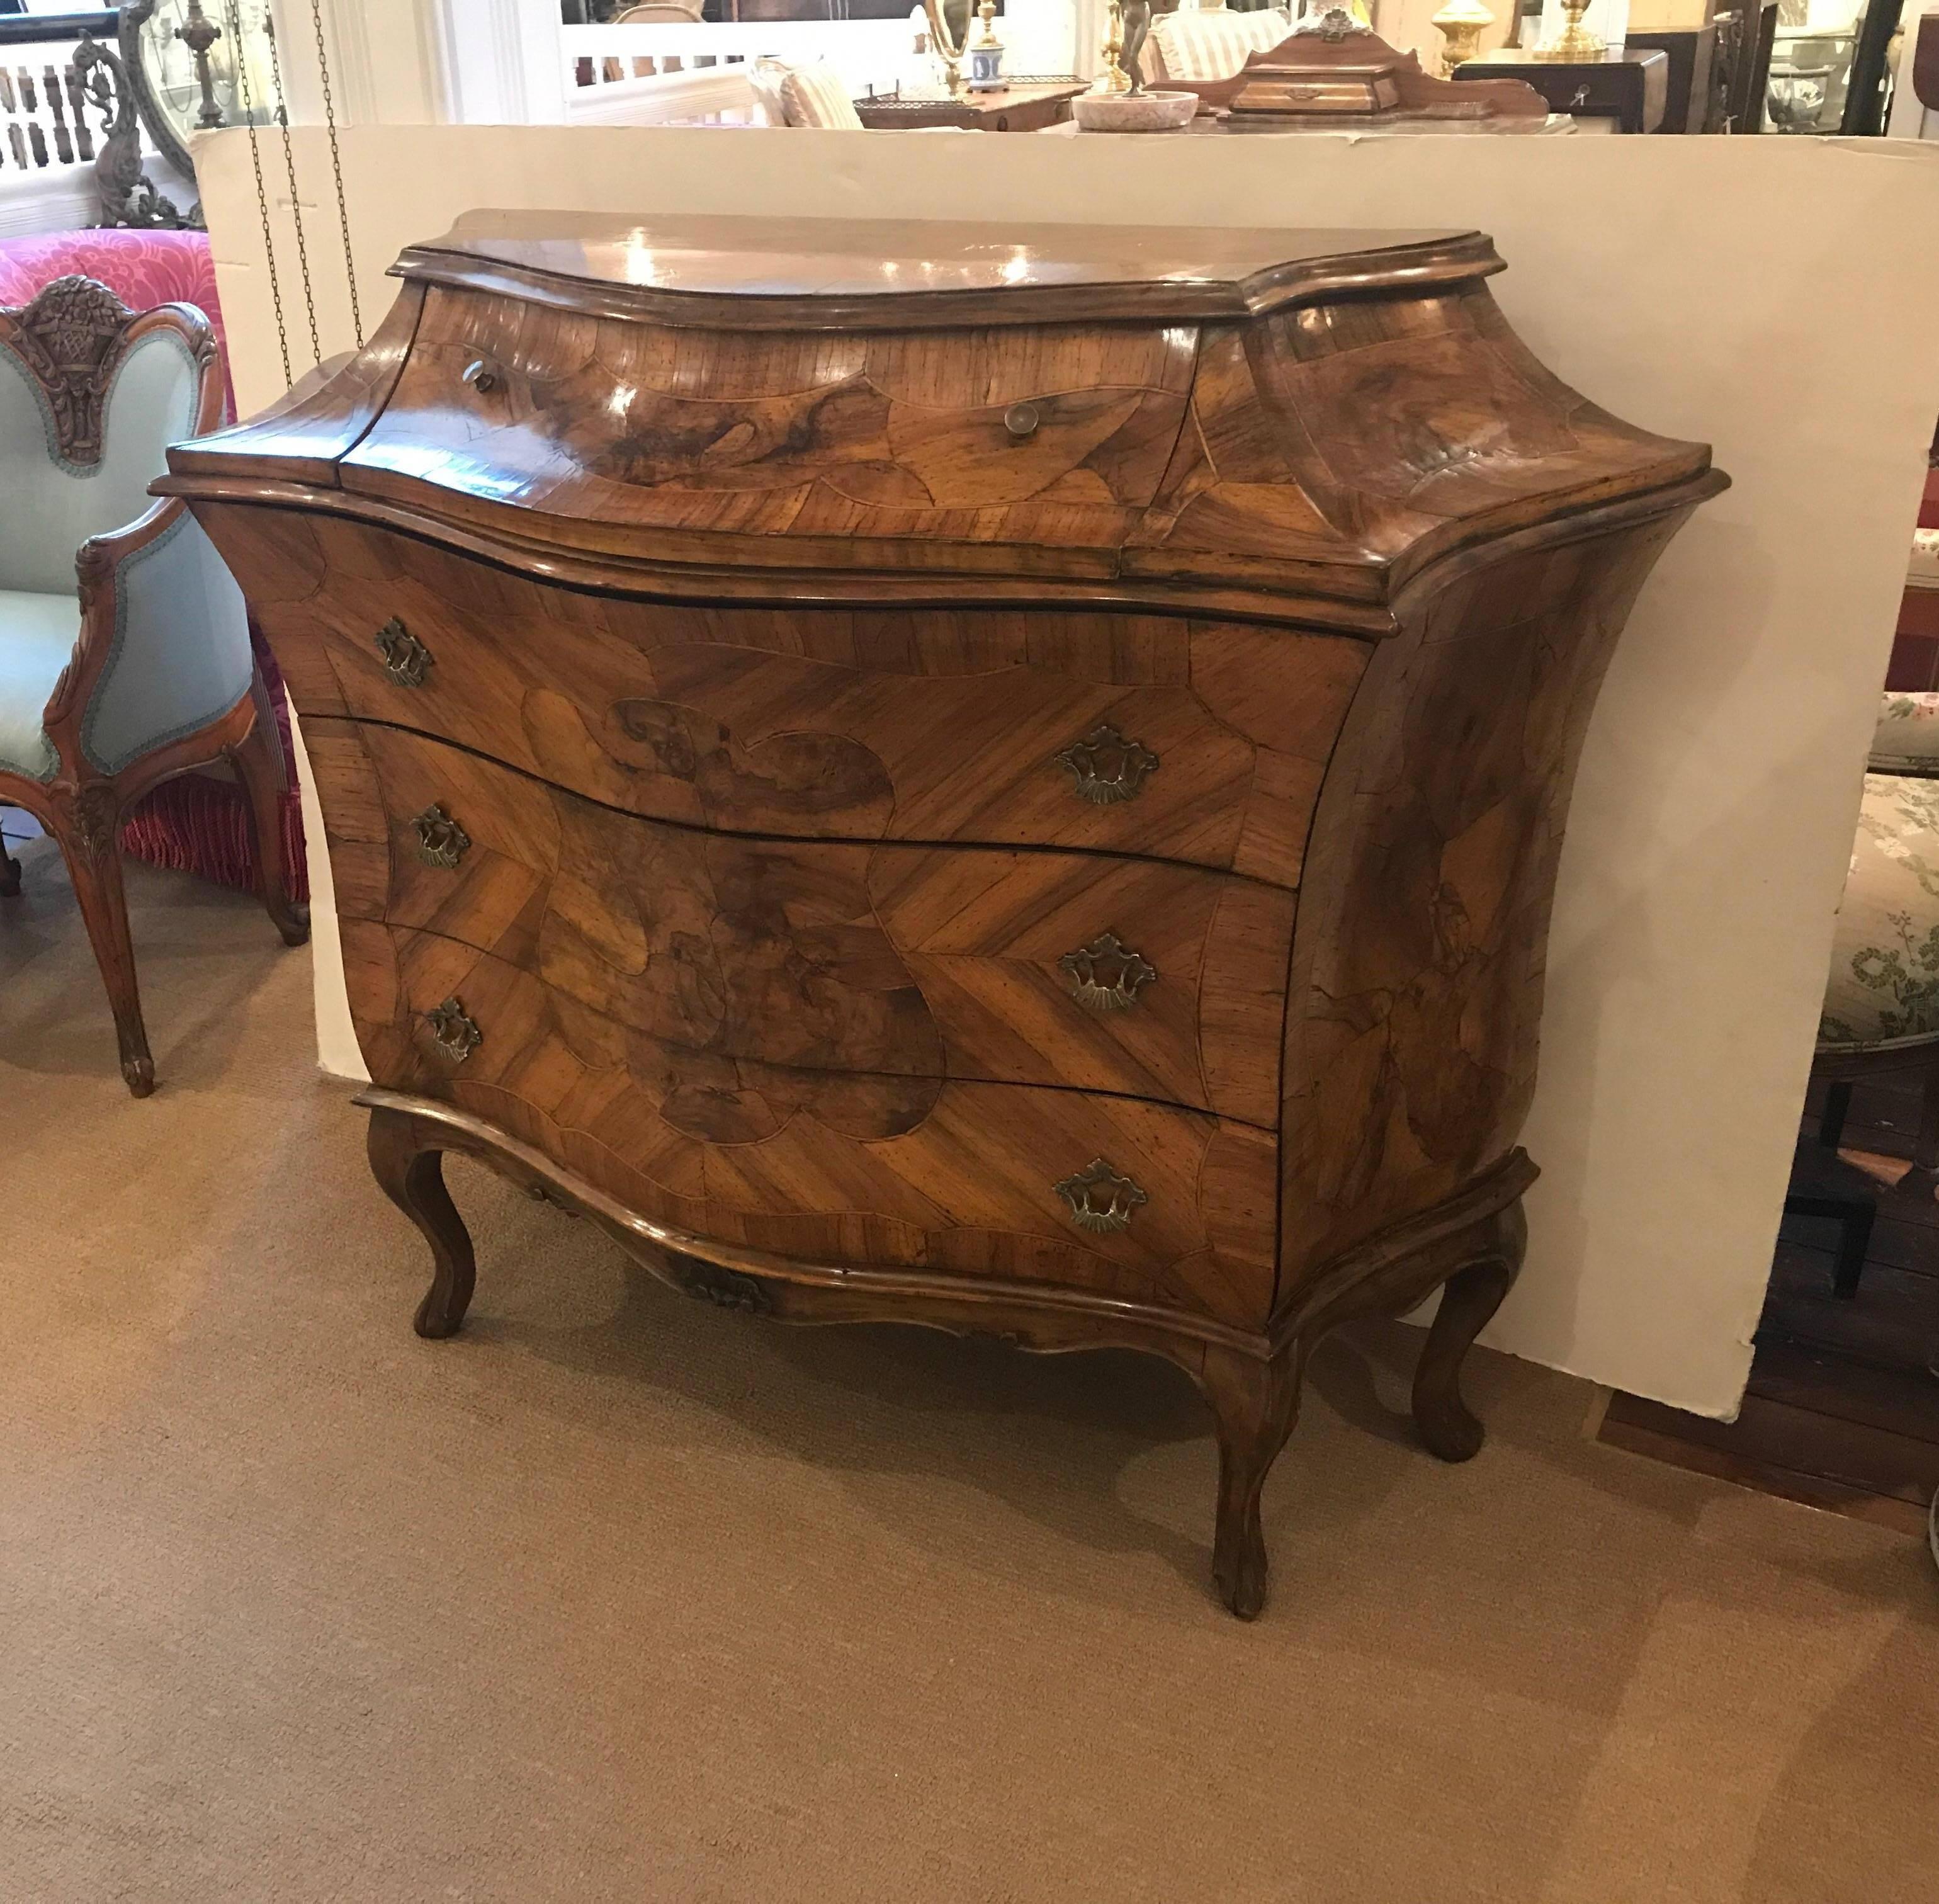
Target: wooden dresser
1009 779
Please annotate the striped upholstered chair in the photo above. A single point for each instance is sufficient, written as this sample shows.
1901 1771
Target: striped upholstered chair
1208 43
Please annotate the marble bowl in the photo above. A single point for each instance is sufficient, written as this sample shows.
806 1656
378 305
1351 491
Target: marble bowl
1133 112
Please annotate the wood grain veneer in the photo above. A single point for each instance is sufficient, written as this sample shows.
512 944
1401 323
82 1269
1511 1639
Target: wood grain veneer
1011 782
902 961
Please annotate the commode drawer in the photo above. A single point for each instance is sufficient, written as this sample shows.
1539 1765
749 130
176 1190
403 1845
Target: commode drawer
1136 976
1198 742
1139 1201
605 428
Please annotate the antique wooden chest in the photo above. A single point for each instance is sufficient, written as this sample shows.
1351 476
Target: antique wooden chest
1005 778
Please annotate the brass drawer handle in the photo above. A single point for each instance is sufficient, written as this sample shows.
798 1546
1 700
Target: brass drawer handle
1100 1199
1107 767
1105 976
458 1037
482 375
1021 420
442 842
406 659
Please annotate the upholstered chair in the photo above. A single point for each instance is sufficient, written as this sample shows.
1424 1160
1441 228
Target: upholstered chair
124 644
1208 43
1881 1012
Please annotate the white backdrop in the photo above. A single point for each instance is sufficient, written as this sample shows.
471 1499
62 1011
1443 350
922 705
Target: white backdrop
1757 293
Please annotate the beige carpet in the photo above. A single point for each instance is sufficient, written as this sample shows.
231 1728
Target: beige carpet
618 1596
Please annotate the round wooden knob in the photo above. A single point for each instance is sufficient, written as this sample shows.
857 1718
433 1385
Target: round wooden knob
1021 420
481 376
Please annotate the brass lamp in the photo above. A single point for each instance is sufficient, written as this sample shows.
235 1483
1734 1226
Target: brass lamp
1576 43
1461 23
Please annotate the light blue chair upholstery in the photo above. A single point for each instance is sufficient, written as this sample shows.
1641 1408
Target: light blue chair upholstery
124 641
181 656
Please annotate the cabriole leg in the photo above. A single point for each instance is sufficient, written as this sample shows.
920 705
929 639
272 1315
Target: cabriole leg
1489 1266
411 1175
1254 1404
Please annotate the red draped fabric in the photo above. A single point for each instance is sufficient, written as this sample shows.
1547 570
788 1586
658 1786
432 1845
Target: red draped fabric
196 823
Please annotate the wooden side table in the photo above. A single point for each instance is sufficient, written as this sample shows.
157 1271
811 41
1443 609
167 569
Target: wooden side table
1632 88
1027 107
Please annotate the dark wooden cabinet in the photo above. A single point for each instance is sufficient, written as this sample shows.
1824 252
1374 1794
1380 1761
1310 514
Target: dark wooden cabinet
1009 779
1631 85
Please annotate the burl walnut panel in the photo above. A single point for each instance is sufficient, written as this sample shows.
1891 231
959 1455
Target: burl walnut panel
1005 778
1416 988
1055 438
921 1172
1452 422
884 959
829 723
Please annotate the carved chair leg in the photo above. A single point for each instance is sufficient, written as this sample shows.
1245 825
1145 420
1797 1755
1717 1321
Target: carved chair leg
411 1176
1831 1119
90 842
1925 1151
1489 1266
1254 1405
259 763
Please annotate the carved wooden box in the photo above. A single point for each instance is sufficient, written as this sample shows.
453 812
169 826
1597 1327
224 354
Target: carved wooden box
1006 779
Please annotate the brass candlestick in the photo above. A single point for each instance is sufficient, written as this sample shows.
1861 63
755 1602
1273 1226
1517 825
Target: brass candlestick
986 53
1113 79
1577 43
198 34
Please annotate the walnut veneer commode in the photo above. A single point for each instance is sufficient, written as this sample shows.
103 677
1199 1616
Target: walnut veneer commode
1009 779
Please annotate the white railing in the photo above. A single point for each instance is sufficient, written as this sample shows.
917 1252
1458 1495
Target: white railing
648 73
50 137
48 143
42 122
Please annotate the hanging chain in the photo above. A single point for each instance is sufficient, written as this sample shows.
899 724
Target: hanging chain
336 166
296 204
262 191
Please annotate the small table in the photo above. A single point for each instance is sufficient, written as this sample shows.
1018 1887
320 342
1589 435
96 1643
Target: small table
1027 107
1632 88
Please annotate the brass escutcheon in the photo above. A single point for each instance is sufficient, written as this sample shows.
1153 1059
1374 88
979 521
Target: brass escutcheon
406 659
442 842
1105 976
1107 767
457 1036
1100 1199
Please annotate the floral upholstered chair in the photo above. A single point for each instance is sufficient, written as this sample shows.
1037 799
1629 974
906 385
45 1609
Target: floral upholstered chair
1881 1012
124 644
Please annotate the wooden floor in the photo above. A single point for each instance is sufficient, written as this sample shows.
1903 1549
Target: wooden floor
1842 1408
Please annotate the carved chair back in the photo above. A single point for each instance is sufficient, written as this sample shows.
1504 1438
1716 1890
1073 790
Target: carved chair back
91 395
